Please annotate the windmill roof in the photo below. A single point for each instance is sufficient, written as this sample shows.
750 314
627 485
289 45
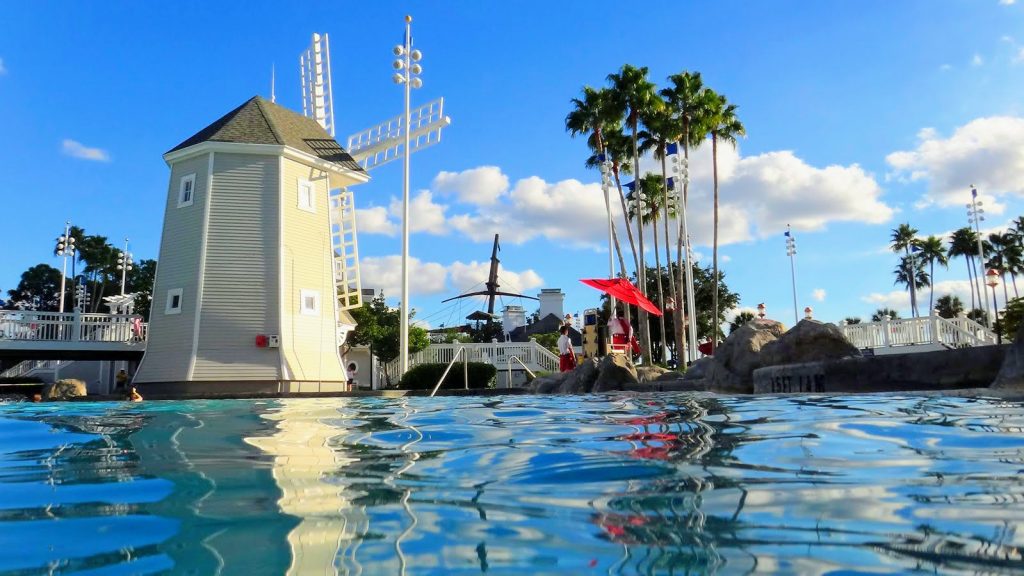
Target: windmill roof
259 121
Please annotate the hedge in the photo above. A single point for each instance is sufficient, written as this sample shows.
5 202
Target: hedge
425 376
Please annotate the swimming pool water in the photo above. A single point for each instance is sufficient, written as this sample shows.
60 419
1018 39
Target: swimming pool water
616 484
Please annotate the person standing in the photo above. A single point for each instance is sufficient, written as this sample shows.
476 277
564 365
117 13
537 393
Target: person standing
621 332
566 355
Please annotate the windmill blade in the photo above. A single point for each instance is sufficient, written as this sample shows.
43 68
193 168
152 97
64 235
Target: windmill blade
385 142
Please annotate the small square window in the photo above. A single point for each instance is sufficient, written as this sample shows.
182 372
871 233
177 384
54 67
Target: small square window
309 302
307 196
186 190
173 305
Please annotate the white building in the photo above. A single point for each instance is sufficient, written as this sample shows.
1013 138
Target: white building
244 299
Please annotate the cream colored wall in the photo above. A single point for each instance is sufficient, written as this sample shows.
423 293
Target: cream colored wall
240 296
307 342
169 344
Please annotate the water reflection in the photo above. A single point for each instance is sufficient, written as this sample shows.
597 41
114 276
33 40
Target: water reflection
526 485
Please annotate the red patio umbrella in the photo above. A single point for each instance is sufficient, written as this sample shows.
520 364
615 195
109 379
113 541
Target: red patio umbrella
624 290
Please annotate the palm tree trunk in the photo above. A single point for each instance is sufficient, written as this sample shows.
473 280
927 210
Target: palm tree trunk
931 297
970 278
645 327
668 262
1013 278
714 250
615 234
661 294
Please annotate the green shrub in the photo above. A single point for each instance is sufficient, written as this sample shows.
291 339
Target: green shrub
425 376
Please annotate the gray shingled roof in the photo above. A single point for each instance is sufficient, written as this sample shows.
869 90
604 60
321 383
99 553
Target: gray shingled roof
260 121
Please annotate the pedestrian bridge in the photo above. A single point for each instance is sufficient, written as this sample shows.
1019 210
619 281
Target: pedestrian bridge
29 335
918 334
504 356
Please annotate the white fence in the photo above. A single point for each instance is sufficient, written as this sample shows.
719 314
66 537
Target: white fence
23 368
960 332
499 354
71 327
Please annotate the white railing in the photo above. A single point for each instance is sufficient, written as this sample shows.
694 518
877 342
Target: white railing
23 368
952 333
499 354
71 326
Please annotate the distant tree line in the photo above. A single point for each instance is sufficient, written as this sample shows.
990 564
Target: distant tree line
94 266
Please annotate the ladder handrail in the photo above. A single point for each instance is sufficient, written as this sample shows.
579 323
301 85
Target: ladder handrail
450 364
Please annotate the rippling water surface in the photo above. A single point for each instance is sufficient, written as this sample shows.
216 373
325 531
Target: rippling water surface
665 484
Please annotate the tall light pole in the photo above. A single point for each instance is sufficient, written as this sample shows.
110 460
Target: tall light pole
680 167
791 252
606 186
975 214
407 73
65 248
124 264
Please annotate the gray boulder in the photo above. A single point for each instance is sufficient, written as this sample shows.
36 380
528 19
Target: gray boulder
64 389
699 369
651 373
740 354
581 379
808 341
1011 374
615 372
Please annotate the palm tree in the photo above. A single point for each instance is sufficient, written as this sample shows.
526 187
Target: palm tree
910 267
724 126
659 132
688 102
633 96
590 116
904 239
964 242
740 320
650 204
949 306
884 313
1003 256
852 320
932 251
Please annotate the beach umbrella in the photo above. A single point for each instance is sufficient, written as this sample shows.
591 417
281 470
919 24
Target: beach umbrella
623 290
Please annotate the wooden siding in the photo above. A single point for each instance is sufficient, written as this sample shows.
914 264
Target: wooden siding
169 345
308 342
239 297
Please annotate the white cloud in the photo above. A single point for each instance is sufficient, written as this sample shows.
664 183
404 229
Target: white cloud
899 300
818 294
3 70
1007 2
79 150
988 152
482 186
385 273
374 220
977 60
1019 56
945 67
424 214
466 277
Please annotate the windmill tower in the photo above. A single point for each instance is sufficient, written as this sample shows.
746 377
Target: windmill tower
244 295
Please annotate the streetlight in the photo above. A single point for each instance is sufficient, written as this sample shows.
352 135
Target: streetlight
791 252
992 280
681 169
65 249
975 214
407 72
124 263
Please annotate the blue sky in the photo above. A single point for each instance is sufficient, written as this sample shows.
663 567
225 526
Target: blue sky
860 116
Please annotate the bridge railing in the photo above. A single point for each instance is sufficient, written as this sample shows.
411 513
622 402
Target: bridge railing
950 332
497 353
71 326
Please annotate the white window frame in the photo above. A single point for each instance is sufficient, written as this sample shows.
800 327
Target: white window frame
191 180
309 206
303 309
170 299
